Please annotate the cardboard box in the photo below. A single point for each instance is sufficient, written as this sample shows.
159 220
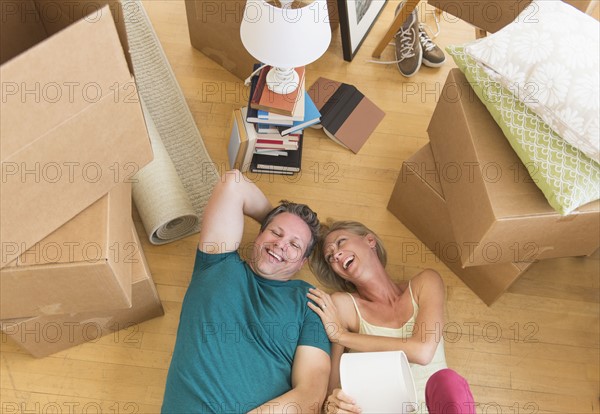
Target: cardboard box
418 202
491 15
45 335
214 27
81 266
498 213
71 124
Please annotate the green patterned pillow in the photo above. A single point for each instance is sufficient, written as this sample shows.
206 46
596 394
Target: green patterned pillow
567 177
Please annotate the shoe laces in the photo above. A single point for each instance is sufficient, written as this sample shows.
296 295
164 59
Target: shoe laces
407 49
426 41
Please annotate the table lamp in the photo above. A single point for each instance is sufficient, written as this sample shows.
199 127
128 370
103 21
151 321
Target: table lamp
284 38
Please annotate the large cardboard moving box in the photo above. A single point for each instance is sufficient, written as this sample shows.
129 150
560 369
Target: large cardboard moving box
71 125
418 201
79 267
214 27
45 335
498 213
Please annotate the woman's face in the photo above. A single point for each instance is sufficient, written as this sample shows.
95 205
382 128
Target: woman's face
349 254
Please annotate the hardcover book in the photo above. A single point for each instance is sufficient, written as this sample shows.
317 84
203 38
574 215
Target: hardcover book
266 129
298 114
282 164
252 114
275 145
284 104
264 117
252 137
347 116
271 152
312 116
260 83
278 137
261 117
272 171
238 141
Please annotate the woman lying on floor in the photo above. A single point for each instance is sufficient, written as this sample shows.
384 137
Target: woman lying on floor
370 312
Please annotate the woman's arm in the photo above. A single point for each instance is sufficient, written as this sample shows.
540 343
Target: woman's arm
428 289
337 351
337 401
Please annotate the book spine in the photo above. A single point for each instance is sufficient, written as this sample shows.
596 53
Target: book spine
252 114
238 119
261 81
329 107
271 171
270 167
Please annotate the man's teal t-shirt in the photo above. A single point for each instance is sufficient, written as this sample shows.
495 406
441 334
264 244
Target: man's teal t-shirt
237 337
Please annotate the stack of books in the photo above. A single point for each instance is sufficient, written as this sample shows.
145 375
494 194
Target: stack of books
267 135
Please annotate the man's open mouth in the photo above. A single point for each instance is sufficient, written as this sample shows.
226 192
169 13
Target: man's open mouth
275 256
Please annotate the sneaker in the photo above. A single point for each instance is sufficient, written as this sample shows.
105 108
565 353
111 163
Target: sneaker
409 53
433 56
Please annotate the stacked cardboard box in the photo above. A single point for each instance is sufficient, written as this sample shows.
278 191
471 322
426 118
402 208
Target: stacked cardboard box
78 267
46 334
72 137
418 201
468 189
468 196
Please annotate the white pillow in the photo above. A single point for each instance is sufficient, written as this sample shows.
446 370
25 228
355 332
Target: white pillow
549 58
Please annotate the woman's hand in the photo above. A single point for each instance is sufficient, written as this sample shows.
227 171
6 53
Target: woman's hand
327 311
340 403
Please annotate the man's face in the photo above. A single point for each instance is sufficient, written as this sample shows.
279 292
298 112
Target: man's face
279 249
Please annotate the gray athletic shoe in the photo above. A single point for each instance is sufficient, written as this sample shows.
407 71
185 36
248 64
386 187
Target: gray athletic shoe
409 53
433 56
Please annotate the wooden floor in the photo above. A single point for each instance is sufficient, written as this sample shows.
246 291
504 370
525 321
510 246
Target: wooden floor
535 350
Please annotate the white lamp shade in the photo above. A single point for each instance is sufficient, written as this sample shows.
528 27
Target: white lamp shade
379 382
285 37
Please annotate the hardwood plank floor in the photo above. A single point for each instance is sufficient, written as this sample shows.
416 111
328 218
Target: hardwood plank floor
536 350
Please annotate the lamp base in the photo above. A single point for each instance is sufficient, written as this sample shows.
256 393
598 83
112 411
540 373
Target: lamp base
283 80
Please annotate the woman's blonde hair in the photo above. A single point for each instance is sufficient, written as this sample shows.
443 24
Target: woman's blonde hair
322 269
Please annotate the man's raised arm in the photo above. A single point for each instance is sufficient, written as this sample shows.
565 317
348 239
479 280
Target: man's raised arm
223 223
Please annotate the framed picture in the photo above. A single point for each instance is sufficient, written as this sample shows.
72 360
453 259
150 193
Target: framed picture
356 19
